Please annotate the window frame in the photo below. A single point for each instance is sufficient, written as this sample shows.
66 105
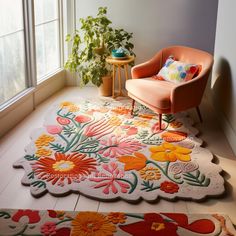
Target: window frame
30 53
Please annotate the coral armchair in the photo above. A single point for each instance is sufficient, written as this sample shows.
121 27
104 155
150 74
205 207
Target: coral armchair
165 97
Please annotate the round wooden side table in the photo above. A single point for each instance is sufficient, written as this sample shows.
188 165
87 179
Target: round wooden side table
117 64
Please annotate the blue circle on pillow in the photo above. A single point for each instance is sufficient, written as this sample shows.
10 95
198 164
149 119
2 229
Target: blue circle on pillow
183 75
168 62
180 68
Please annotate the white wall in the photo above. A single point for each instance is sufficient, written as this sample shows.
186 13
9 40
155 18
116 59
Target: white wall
224 71
159 23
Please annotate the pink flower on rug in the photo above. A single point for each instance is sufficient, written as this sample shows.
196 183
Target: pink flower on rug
54 129
33 216
63 121
82 119
99 128
110 178
116 146
155 128
132 131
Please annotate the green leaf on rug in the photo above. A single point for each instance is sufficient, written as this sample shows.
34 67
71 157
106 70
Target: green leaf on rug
5 215
149 186
169 118
196 180
57 147
38 184
31 157
142 135
68 131
101 159
31 175
153 141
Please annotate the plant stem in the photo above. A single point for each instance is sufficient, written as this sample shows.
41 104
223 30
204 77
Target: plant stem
165 172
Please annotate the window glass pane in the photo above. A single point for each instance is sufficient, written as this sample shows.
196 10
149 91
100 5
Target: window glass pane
10 16
45 10
47 46
12 50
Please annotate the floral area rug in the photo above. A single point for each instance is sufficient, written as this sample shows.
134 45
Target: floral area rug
98 149
66 223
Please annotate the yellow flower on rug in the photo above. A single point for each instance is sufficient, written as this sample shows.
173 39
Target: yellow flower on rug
117 217
170 152
92 224
44 140
43 152
115 121
70 106
150 173
141 123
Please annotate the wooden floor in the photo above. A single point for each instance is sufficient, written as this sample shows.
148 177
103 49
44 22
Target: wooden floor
15 195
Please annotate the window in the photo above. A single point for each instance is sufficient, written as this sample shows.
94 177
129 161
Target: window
47 37
12 49
24 39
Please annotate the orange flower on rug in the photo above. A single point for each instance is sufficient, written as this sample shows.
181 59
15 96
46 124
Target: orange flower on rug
98 149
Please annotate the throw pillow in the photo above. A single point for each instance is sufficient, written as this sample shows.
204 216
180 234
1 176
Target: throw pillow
177 71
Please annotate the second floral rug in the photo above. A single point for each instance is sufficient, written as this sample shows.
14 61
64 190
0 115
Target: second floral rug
97 149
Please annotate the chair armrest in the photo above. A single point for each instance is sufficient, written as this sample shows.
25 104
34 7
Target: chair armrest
189 94
148 68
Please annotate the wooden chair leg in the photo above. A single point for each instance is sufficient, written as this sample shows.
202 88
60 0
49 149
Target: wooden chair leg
132 110
199 114
160 121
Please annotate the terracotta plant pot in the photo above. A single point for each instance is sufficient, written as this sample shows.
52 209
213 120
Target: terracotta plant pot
105 89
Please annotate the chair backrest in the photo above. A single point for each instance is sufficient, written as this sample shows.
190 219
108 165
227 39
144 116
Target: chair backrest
188 55
181 99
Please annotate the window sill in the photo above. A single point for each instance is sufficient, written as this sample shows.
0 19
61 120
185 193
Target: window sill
29 92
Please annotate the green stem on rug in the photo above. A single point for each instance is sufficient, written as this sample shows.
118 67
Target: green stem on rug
133 185
62 221
5 215
164 171
67 116
61 136
21 232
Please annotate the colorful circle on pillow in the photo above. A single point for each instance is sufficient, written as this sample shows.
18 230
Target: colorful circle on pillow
169 62
183 75
193 69
180 68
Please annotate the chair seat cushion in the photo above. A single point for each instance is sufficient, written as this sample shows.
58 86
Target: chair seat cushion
154 92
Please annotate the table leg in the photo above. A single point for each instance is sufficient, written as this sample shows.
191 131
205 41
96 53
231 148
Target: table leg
126 72
113 81
119 77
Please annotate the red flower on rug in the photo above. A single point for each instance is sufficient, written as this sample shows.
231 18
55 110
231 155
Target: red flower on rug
153 225
71 167
54 129
200 226
63 121
116 146
99 128
82 119
169 187
174 136
110 178
33 216
50 228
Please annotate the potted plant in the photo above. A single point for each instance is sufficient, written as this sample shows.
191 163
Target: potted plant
91 45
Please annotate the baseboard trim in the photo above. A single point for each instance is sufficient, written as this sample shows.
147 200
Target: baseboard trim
225 125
